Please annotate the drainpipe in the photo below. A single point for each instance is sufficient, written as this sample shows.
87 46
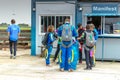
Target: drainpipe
33 28
76 13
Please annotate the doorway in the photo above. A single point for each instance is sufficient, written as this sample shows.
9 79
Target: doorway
98 21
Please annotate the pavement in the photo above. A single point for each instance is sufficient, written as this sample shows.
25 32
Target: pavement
26 67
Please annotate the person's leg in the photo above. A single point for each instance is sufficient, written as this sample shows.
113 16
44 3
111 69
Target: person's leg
62 57
87 58
80 55
10 46
70 58
56 53
48 55
94 56
90 62
15 48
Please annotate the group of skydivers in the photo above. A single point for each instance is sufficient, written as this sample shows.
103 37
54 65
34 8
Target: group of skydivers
71 44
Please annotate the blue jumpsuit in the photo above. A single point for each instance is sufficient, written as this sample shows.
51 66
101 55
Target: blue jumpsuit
76 52
65 55
49 47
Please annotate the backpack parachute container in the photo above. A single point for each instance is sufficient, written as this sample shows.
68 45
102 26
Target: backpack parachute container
44 41
90 40
66 35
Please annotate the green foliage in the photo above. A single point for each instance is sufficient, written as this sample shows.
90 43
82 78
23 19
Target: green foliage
23 25
3 26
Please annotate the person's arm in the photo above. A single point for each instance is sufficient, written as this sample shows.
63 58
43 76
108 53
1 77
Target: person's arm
74 32
18 31
94 32
51 38
59 31
55 35
82 37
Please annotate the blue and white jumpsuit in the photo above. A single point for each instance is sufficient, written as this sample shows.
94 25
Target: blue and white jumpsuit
66 54
50 41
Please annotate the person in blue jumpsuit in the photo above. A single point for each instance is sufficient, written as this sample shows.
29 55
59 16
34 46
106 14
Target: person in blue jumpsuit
65 55
50 41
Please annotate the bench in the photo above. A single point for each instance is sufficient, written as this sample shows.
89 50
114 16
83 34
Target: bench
22 43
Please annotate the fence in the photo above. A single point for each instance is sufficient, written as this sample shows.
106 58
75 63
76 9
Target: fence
23 41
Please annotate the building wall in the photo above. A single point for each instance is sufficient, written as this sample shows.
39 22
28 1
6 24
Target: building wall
107 47
87 8
51 8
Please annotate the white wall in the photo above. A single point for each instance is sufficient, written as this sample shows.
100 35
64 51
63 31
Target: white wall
49 8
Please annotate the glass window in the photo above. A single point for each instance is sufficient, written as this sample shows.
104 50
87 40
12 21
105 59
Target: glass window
99 0
51 20
112 25
96 20
105 25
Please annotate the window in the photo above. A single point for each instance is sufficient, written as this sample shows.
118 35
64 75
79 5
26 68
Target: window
96 20
51 20
105 24
112 25
99 0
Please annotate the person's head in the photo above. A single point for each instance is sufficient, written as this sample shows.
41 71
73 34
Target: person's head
67 20
80 26
87 27
91 27
13 21
50 28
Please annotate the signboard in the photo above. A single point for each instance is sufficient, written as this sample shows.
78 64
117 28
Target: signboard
105 8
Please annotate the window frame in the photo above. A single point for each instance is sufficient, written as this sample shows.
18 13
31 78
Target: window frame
40 26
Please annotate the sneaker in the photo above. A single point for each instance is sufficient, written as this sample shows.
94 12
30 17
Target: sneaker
53 60
14 57
62 70
57 63
86 68
80 62
48 65
90 68
11 56
93 65
70 70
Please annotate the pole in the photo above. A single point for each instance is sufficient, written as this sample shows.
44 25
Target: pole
76 13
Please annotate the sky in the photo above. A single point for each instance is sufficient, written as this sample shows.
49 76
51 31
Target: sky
20 10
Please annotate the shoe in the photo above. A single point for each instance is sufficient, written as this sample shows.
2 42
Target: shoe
70 70
53 60
48 65
62 70
80 62
14 57
93 65
11 56
90 68
57 63
86 68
